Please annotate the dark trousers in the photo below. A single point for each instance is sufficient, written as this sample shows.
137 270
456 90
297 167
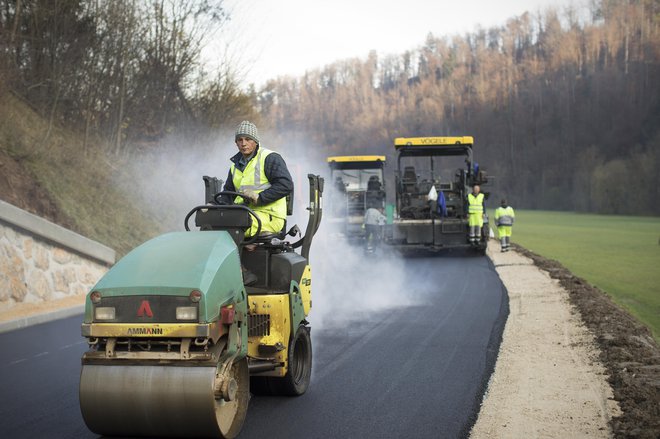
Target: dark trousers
372 233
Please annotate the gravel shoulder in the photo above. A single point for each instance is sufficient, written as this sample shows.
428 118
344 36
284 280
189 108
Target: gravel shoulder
571 363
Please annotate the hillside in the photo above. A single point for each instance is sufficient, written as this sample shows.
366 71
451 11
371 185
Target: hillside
46 171
563 105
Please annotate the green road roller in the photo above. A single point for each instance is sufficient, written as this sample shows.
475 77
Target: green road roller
177 342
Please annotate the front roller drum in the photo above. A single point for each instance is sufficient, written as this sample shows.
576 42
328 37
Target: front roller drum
163 401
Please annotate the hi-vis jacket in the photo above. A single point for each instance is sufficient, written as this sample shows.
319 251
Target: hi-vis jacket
475 204
504 216
267 175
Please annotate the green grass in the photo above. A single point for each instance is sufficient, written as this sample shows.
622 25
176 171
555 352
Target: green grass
618 254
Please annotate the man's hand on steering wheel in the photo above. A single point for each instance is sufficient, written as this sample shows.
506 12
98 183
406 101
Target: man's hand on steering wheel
250 196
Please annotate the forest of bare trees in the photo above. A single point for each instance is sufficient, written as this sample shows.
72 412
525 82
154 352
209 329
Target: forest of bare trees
127 72
564 104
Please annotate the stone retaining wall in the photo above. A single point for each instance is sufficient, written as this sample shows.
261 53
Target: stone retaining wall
41 261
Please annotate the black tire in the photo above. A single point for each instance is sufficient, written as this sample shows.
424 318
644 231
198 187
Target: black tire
297 377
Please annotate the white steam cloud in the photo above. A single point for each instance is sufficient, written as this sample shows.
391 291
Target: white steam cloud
348 284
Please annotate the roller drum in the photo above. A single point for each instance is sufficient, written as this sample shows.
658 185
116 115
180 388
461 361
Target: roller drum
161 401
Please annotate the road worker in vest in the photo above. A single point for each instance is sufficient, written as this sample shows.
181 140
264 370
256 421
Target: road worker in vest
475 213
263 180
504 217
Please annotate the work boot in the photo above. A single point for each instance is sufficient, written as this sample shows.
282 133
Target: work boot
249 278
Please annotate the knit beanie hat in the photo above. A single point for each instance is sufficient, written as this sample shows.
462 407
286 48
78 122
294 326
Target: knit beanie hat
247 129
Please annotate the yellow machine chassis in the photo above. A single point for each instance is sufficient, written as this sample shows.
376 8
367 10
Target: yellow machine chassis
213 330
277 307
433 141
356 158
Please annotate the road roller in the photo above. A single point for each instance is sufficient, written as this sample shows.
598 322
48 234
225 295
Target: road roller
177 342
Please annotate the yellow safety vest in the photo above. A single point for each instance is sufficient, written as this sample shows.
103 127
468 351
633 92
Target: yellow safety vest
253 177
504 216
475 204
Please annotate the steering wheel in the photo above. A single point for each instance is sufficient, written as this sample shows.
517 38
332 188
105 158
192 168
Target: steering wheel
220 202
217 196
227 207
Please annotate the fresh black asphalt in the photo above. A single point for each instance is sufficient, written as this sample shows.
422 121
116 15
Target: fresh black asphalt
415 370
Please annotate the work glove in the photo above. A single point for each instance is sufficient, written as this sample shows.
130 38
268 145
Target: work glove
250 196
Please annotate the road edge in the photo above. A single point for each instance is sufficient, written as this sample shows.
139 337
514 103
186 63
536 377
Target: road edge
44 317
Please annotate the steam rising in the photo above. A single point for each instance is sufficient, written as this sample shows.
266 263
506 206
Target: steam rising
348 284
167 180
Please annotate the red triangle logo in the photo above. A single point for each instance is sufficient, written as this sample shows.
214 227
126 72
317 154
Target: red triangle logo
145 309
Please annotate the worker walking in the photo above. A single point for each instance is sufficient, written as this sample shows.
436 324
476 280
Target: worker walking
475 213
374 220
504 217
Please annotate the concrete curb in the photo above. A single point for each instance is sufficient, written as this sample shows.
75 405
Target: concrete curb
36 319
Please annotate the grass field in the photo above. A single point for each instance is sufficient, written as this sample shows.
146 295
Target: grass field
618 254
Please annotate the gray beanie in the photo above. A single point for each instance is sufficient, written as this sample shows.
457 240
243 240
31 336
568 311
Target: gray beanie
247 129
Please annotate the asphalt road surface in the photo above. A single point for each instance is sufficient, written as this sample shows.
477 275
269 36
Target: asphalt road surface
417 370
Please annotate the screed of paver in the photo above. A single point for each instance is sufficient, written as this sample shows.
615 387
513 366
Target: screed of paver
547 381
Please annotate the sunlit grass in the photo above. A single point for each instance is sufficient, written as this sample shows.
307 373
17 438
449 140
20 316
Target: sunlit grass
618 254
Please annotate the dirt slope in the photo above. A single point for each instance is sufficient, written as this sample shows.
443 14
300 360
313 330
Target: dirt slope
17 187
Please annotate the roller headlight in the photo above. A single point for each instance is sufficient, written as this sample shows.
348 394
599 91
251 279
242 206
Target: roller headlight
104 313
95 297
195 296
186 313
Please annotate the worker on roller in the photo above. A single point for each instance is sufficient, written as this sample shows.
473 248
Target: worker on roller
504 217
263 180
475 213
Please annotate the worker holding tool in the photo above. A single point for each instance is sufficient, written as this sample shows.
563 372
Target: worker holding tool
475 213
263 180
504 217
